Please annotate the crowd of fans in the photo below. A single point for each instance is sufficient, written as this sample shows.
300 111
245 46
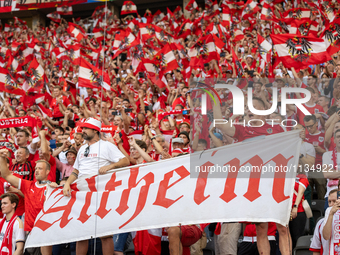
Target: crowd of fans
151 116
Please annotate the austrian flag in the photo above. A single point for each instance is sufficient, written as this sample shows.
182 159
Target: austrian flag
128 8
299 51
75 32
192 5
92 77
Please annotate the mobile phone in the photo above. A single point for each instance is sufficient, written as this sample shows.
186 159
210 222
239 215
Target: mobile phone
128 110
120 134
118 79
141 75
59 145
337 110
114 113
338 194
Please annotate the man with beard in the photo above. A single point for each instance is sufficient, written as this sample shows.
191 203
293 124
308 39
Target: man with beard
97 156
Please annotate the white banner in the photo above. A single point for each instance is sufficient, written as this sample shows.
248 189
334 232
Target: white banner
255 184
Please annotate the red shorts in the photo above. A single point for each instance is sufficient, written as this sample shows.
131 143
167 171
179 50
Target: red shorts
190 235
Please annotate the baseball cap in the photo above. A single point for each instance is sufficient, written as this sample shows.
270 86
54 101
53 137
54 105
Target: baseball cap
73 150
92 123
249 56
177 140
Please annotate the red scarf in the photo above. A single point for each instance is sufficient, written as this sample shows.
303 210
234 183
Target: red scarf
6 246
334 182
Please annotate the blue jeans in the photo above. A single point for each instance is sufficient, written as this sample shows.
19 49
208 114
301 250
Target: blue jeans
119 241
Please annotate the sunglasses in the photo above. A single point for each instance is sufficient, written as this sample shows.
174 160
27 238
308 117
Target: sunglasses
87 151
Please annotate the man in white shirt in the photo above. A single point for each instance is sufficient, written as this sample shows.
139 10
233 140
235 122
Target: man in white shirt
96 156
12 235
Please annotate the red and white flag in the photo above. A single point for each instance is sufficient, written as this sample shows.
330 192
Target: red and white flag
146 31
65 10
249 9
54 16
128 8
226 17
299 51
297 13
192 5
98 34
165 59
9 84
71 29
7 6
35 78
73 52
266 11
331 35
123 41
265 48
92 77
147 241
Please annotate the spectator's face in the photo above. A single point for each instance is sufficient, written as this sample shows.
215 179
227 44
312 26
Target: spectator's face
22 114
126 104
117 121
331 199
184 127
310 80
56 92
89 91
75 109
21 156
78 139
62 138
257 87
7 206
322 102
22 139
161 143
41 172
177 146
185 139
88 133
57 132
134 153
184 91
71 157
311 126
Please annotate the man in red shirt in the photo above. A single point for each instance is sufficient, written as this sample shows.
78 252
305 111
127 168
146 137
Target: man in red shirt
34 191
58 98
317 138
242 133
182 99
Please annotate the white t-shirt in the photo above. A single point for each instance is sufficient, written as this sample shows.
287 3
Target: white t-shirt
334 243
318 241
327 160
102 153
18 233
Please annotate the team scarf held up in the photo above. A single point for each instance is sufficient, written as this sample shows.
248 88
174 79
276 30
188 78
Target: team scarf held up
6 245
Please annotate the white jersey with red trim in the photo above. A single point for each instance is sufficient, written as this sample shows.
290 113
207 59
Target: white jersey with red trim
319 244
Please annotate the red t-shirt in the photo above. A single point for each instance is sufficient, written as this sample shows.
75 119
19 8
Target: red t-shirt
55 107
243 133
34 202
250 229
180 100
332 144
301 179
312 109
316 139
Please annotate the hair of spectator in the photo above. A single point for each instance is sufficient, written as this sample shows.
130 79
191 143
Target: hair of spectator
258 82
260 100
26 150
57 87
180 106
160 136
24 131
203 141
48 166
326 98
332 191
336 131
126 100
12 197
331 110
142 144
61 129
309 118
311 90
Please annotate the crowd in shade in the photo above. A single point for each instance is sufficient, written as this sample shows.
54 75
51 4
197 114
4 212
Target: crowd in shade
136 82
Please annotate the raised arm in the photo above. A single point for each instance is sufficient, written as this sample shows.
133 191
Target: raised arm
5 172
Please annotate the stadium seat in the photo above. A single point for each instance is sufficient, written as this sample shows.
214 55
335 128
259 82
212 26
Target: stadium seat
208 252
318 219
302 245
317 207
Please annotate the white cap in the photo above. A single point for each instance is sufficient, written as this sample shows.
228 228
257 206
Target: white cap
93 124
